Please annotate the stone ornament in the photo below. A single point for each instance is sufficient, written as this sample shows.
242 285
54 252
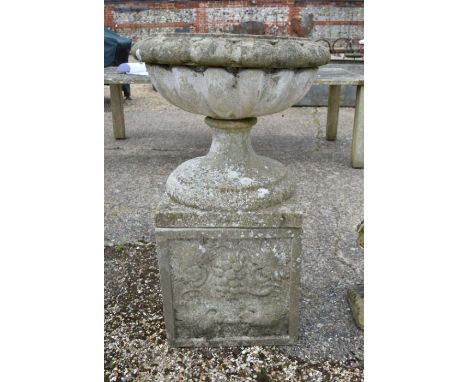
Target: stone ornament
229 286
229 247
231 79
221 286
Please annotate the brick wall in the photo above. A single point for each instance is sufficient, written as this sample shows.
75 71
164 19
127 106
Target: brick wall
336 23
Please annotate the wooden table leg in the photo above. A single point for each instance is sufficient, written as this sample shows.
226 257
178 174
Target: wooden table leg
334 93
357 152
118 121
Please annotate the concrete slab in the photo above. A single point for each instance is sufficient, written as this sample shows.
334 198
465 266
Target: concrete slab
331 191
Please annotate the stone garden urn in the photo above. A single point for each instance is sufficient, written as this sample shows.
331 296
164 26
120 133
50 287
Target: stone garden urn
229 246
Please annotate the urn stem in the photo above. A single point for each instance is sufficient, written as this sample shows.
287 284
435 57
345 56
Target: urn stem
231 140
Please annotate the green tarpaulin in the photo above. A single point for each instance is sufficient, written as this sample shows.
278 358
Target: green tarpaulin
116 48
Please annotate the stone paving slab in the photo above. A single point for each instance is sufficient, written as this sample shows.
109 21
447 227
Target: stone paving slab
331 194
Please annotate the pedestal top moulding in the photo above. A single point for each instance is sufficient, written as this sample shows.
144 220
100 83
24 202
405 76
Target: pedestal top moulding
231 79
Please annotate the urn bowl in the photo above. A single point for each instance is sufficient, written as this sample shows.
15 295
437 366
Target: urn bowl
228 76
231 93
231 79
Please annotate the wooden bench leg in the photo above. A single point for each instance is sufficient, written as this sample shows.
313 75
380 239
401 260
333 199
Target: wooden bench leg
334 93
118 121
357 152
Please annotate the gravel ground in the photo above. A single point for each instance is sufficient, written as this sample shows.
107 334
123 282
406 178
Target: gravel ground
135 339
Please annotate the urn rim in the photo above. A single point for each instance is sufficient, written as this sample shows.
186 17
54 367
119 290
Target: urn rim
231 50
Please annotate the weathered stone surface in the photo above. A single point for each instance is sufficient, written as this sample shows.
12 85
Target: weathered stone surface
355 295
355 298
228 286
175 215
231 176
226 93
360 231
231 50
111 76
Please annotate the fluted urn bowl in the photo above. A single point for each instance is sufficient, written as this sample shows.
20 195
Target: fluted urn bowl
228 76
231 93
231 79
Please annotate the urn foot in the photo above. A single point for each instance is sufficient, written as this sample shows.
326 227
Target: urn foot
231 176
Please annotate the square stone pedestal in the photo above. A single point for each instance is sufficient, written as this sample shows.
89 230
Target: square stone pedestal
229 278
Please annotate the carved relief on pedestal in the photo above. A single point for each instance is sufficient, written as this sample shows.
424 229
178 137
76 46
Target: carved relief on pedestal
227 287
